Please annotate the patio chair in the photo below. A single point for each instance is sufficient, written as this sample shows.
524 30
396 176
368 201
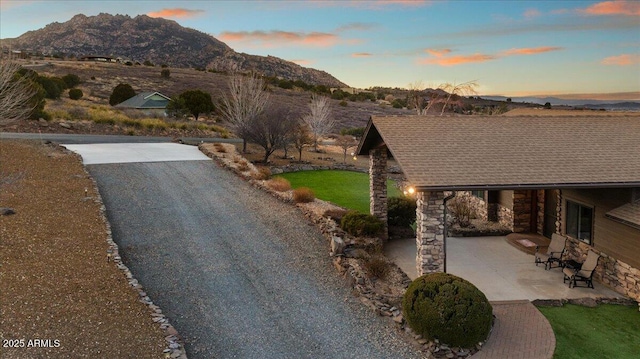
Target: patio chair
554 254
584 273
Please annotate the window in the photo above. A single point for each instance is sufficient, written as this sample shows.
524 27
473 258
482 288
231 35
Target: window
479 194
580 222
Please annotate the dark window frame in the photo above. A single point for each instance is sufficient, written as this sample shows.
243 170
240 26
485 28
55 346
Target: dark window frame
576 214
476 194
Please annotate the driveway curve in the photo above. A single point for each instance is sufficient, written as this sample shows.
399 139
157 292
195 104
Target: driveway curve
238 273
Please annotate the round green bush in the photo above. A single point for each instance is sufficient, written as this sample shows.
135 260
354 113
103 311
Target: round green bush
75 94
448 308
401 211
361 224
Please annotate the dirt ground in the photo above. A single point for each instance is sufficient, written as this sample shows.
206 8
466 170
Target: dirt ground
56 285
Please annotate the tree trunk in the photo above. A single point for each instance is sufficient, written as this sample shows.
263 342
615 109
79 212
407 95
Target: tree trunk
244 145
300 154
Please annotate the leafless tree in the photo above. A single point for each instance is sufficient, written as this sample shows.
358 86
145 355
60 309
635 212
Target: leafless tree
301 138
346 142
319 118
463 89
246 99
271 128
416 98
15 93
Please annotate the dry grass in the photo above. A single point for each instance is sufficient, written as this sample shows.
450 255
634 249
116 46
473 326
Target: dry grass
55 282
376 265
263 173
303 195
279 184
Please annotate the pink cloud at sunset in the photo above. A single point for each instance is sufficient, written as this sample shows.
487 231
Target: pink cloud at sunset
622 60
531 13
175 13
438 52
457 60
361 54
619 7
531 50
302 62
280 38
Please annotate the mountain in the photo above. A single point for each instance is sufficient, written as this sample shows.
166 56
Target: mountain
588 103
157 40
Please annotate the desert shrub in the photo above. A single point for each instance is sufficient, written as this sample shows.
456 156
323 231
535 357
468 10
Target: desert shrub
401 211
279 184
461 210
220 148
243 166
448 308
71 80
343 103
335 214
165 73
361 224
75 94
121 93
376 266
303 195
264 173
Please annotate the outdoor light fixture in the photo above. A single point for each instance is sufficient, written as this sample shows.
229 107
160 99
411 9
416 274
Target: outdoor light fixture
355 158
410 190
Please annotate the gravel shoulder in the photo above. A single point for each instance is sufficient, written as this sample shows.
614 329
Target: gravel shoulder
239 273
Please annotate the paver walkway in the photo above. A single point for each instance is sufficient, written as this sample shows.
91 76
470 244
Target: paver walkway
520 331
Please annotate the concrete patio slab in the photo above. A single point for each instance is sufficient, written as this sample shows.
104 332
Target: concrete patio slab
105 153
501 271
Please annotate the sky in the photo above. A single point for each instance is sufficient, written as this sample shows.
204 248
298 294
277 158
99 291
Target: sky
510 48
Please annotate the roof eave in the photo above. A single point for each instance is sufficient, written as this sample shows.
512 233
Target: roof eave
496 187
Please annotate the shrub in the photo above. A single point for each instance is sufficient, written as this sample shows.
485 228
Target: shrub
264 173
376 266
121 93
461 210
303 195
71 80
243 166
343 103
361 224
165 73
279 184
401 211
448 308
220 148
75 94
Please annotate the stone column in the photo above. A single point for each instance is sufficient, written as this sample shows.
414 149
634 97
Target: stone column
430 232
521 211
378 187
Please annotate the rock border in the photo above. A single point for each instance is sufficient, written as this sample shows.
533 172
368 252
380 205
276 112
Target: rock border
175 346
343 247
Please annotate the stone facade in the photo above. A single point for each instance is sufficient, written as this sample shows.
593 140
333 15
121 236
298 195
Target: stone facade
615 274
521 211
378 186
540 213
430 232
505 217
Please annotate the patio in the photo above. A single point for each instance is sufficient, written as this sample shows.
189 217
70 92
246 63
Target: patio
498 269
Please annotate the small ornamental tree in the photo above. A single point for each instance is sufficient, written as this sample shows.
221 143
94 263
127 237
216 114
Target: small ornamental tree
121 93
448 308
194 102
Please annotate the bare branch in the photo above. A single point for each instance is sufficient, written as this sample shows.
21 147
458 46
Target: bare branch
15 93
319 119
463 89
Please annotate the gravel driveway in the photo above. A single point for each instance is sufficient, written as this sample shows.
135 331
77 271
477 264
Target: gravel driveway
238 273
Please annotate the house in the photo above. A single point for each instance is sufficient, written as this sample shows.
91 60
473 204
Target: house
578 176
151 103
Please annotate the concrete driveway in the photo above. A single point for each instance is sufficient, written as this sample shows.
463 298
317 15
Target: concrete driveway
238 273
497 268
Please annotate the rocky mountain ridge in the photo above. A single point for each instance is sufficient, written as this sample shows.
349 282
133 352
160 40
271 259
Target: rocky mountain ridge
157 40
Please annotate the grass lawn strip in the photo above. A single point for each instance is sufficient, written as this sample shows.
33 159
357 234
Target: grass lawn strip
55 281
607 331
344 188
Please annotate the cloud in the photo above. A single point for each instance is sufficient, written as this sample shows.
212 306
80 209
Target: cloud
531 13
438 52
356 26
372 5
281 38
630 8
531 50
622 60
457 60
361 54
175 13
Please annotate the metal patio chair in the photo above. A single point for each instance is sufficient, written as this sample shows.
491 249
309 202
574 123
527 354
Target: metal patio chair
554 253
584 273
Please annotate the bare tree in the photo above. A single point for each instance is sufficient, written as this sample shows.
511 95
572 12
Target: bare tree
271 128
463 89
16 93
301 138
416 98
346 142
319 119
246 99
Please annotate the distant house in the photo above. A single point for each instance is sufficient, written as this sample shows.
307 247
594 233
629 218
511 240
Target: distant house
577 176
98 58
148 102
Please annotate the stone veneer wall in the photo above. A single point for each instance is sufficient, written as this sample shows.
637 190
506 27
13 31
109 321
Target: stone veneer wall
505 217
521 211
378 186
540 221
615 274
430 232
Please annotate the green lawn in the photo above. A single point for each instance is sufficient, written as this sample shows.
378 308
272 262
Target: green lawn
344 188
607 331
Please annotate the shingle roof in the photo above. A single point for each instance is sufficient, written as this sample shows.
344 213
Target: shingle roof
495 152
628 214
146 100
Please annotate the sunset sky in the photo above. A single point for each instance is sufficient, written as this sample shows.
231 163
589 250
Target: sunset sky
511 48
